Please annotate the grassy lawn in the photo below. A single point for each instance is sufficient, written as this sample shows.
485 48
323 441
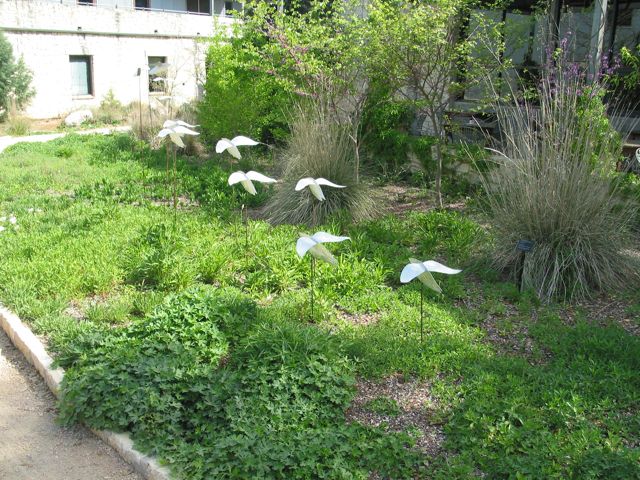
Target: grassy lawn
207 354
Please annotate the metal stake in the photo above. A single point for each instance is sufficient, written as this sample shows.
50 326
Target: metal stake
313 281
421 313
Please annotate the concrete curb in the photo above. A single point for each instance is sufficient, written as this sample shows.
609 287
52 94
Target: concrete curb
33 350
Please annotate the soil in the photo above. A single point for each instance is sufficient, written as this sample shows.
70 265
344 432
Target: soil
32 445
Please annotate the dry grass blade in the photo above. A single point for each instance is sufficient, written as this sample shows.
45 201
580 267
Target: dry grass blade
555 186
319 147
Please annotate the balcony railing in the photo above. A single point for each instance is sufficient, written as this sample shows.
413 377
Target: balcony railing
130 5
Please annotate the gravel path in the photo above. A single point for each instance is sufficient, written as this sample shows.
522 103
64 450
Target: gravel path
32 445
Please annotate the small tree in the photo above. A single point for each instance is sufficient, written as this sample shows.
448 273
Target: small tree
416 49
15 79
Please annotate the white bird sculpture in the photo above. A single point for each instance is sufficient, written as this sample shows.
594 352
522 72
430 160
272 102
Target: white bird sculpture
247 179
232 145
159 68
176 129
314 186
422 271
313 245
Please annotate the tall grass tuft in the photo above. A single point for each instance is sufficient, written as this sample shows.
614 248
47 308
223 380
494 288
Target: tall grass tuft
555 185
319 147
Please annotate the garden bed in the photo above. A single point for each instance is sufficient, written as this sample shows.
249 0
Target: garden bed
207 354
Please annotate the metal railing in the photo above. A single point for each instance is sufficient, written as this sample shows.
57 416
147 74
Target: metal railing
126 5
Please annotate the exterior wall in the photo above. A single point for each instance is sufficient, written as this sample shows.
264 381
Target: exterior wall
119 42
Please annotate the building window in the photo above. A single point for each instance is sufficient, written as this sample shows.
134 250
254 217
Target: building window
142 4
81 75
86 2
157 74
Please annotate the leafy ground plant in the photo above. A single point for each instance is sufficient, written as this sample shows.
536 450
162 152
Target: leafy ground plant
158 339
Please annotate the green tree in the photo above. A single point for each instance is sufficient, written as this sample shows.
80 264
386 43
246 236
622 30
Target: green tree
422 53
15 79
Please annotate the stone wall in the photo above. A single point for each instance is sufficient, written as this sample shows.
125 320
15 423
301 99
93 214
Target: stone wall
119 43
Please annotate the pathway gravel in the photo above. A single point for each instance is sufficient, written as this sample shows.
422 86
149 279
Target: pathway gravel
32 445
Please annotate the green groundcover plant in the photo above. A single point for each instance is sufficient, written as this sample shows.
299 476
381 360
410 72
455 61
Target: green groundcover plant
204 352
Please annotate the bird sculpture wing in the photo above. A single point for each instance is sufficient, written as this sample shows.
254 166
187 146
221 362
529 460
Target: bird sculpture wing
225 144
417 269
258 177
182 130
304 244
304 182
159 68
164 132
320 252
434 266
177 139
324 237
242 141
185 124
237 177
324 181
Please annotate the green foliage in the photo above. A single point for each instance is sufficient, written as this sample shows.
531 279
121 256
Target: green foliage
554 187
111 111
18 125
319 147
239 99
15 80
223 384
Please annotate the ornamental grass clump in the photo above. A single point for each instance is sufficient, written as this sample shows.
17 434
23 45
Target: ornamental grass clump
319 147
555 185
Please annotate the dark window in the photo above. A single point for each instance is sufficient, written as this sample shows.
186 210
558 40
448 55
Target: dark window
199 6
157 74
142 4
86 2
81 75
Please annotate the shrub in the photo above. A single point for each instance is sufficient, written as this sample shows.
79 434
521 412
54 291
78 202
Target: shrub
18 125
554 187
238 99
319 147
15 79
111 111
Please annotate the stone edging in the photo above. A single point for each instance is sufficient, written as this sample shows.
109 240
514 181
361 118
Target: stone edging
33 350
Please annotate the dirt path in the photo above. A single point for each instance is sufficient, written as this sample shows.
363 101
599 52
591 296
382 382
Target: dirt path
32 445
6 141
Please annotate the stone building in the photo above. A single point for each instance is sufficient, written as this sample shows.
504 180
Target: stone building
80 50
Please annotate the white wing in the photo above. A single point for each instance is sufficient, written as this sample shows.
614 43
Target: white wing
169 124
159 68
175 138
324 237
320 252
159 79
304 182
411 271
225 144
241 141
324 181
237 177
258 177
184 124
164 132
303 245
182 130
434 266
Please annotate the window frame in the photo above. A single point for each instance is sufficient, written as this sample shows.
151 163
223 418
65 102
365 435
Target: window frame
90 86
155 90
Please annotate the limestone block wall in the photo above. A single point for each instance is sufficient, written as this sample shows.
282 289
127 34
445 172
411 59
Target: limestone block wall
119 43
